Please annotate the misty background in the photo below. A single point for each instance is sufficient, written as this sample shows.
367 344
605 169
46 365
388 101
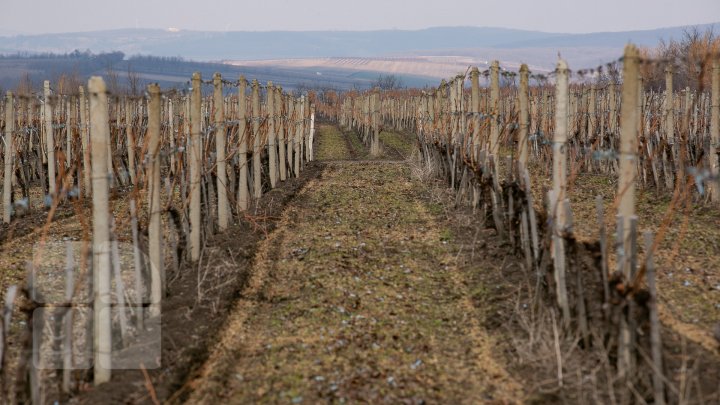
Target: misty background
321 43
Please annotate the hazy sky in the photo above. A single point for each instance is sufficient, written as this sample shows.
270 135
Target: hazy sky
41 16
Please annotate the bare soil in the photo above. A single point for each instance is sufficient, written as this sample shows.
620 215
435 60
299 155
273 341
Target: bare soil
362 281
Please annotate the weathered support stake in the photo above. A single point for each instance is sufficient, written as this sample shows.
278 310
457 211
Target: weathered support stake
628 147
130 133
195 164
655 340
100 136
375 123
154 207
281 133
84 138
257 147
523 145
559 192
49 140
715 130
669 127
272 146
494 145
9 155
220 157
243 197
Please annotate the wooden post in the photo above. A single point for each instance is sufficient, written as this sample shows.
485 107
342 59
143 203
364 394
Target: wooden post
559 142
130 135
67 350
475 110
375 112
494 146
49 140
9 154
220 138
669 126
290 108
298 137
281 133
111 172
68 135
172 127
612 101
100 133
257 148
272 147
715 130
311 137
523 145
306 128
559 192
154 208
628 146
137 264
84 138
243 199
655 340
195 161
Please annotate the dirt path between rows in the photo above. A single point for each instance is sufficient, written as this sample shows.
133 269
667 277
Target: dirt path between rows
355 297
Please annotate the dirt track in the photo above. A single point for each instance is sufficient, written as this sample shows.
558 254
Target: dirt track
355 297
365 283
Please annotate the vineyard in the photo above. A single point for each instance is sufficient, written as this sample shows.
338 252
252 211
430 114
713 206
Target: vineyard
546 238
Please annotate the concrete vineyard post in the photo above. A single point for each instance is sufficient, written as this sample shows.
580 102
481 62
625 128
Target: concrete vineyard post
628 145
100 137
523 145
715 129
272 149
195 156
257 148
560 185
9 153
243 198
49 139
220 157
154 208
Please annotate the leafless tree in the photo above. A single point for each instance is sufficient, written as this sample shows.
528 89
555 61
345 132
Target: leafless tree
388 82
113 84
133 79
690 58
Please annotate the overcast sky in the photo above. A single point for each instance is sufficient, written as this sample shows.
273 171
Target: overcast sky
42 16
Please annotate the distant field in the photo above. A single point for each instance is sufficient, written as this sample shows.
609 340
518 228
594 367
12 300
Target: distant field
430 66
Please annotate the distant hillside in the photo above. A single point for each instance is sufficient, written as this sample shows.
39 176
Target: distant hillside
174 72
339 59
318 44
